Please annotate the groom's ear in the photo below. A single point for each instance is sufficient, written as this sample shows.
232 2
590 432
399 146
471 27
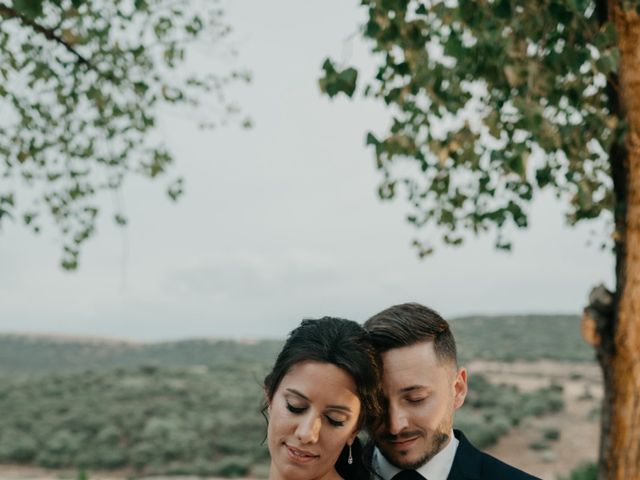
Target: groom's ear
460 388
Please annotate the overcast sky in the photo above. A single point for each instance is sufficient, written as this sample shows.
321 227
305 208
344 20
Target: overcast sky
281 222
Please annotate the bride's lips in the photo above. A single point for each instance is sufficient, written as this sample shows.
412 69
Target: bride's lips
300 456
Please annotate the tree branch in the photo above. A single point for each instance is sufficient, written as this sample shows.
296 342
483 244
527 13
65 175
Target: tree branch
49 33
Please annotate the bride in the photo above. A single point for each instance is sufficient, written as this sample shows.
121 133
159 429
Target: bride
322 389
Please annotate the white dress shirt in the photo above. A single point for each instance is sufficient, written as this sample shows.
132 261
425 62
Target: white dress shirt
437 468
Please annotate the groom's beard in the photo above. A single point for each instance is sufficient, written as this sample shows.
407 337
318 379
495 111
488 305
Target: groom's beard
434 442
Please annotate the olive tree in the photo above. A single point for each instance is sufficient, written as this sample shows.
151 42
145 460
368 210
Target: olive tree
82 83
492 101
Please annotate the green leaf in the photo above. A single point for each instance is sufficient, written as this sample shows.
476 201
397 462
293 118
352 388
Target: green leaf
176 189
502 9
560 13
453 46
29 8
371 139
140 87
334 82
608 61
607 37
70 258
7 199
543 176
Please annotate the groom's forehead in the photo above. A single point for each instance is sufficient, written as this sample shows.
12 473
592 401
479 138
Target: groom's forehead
417 361
409 359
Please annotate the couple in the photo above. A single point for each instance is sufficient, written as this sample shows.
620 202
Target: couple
397 377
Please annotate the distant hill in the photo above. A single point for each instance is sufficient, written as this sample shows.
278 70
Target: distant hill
504 338
521 337
193 407
49 354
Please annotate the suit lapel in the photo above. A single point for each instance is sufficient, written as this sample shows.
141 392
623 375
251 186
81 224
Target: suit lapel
467 464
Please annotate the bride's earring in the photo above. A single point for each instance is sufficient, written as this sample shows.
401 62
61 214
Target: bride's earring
350 459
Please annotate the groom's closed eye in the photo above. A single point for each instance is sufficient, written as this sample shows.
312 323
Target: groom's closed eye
416 399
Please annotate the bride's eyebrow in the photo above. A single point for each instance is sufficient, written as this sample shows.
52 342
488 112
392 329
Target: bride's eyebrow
342 408
297 393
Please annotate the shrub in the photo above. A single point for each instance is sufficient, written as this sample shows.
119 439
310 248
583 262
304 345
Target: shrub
481 433
60 450
233 467
107 457
548 456
539 445
543 401
141 454
586 471
594 414
260 470
17 447
551 434
586 394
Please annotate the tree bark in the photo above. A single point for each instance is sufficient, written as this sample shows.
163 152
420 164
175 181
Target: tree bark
618 330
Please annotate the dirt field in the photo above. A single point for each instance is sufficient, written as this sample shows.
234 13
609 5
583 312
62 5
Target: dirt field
578 427
577 424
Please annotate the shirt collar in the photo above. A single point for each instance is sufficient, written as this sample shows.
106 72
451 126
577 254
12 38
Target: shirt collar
437 468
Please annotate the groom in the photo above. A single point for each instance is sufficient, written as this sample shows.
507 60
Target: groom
423 387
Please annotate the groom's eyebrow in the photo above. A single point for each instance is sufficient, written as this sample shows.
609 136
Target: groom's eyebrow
411 388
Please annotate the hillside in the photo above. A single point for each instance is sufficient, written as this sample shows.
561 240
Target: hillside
521 337
192 407
26 354
503 338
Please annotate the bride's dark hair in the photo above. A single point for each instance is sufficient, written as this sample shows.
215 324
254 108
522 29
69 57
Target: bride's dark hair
345 344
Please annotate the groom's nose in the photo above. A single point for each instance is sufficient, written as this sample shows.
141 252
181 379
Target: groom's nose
397 420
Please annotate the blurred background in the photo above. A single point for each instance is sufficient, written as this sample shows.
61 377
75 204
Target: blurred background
147 360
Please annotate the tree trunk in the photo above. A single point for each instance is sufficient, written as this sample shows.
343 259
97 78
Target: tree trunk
617 325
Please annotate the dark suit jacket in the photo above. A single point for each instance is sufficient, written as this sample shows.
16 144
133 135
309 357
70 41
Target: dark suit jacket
468 464
472 464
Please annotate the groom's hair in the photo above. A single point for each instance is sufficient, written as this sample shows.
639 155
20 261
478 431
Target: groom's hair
410 323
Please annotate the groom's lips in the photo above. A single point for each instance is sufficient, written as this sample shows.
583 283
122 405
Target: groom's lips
403 442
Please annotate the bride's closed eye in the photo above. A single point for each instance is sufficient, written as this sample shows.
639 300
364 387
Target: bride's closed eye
294 409
298 410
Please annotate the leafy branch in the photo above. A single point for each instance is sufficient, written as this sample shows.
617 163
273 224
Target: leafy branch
49 33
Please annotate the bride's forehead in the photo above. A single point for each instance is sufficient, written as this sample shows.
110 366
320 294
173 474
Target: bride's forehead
318 378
